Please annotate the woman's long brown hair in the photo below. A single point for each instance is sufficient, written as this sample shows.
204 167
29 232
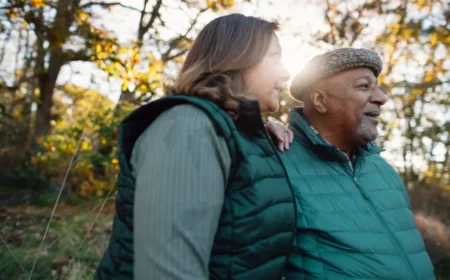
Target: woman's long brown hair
225 46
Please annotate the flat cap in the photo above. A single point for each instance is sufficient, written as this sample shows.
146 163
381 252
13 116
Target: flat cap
326 65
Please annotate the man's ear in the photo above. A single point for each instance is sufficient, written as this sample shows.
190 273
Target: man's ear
319 100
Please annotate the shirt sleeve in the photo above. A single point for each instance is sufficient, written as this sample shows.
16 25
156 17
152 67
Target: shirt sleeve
181 168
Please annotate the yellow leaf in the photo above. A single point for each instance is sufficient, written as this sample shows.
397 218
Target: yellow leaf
406 33
155 68
84 145
421 3
83 16
428 173
446 40
394 26
416 91
227 3
124 85
102 55
428 77
434 39
210 4
136 58
37 3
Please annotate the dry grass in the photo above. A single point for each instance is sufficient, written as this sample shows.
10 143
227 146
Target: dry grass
71 250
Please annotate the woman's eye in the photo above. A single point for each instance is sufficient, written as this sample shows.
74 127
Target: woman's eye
276 54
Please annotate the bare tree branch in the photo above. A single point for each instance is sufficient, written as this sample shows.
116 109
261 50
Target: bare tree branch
194 22
410 86
180 53
329 21
11 6
143 28
77 56
163 23
108 5
166 56
2 51
141 20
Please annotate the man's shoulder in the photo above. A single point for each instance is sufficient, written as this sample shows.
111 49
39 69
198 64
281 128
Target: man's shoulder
382 164
301 156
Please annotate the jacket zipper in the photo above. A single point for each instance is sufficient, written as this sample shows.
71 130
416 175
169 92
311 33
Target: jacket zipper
392 237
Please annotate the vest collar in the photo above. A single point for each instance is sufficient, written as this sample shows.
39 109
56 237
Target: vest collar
250 119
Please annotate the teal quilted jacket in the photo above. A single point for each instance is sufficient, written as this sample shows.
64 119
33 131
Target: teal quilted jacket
354 220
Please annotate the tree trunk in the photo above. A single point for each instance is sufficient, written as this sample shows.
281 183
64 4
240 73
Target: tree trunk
47 78
43 114
47 82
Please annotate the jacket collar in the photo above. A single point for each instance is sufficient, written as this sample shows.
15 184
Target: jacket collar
306 134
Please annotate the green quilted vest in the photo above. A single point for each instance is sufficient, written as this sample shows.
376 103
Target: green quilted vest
353 221
257 223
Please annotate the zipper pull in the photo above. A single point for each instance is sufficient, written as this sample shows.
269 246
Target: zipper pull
362 191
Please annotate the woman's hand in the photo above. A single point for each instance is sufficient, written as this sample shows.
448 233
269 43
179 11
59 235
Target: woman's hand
281 133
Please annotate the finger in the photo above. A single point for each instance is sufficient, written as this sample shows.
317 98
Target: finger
273 130
291 136
286 141
280 135
281 146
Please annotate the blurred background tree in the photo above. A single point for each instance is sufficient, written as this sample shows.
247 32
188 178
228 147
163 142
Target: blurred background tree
70 70
42 119
47 47
414 39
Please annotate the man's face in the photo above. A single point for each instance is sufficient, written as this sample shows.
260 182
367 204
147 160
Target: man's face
353 103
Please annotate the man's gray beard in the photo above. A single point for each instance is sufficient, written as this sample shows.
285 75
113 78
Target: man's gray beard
366 132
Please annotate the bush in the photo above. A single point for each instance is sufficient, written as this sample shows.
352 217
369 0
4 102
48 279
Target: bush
59 150
95 166
24 178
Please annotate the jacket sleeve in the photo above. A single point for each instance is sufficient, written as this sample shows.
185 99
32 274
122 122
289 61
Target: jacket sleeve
181 167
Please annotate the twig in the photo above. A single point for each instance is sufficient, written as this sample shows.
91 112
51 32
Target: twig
12 254
56 204
92 226
70 227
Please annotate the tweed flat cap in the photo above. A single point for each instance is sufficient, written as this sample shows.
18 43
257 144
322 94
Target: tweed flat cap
333 62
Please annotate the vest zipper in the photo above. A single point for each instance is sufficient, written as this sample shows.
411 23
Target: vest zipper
391 235
293 198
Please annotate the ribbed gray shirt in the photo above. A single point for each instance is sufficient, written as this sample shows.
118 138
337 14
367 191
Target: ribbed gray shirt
181 168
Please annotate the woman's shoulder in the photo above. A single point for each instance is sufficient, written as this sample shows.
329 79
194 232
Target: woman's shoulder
182 127
186 114
185 110
179 120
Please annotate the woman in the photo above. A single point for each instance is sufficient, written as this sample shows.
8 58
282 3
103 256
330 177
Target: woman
202 191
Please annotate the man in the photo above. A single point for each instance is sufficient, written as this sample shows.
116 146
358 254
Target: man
354 220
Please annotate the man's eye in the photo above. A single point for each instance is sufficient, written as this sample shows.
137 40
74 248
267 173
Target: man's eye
364 86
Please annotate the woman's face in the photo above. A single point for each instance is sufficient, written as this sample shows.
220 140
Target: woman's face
265 80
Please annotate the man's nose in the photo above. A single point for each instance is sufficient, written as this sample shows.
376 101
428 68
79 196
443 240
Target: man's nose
379 97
